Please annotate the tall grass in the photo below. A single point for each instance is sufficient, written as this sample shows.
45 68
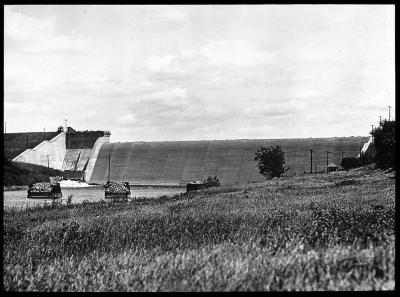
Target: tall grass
295 234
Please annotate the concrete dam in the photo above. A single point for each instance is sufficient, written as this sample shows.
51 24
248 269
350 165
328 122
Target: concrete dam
90 156
232 161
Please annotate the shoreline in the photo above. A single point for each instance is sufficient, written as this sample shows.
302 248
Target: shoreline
14 188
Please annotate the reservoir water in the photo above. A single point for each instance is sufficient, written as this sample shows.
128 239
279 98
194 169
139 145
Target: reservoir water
96 193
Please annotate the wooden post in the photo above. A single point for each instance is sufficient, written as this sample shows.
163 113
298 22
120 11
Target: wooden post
311 160
109 166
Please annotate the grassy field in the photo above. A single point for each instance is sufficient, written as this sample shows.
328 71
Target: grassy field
313 232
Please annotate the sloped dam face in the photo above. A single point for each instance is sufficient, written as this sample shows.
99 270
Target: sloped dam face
232 161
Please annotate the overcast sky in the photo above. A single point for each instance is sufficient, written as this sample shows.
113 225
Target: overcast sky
153 73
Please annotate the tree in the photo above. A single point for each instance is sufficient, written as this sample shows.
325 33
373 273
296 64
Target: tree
385 141
271 161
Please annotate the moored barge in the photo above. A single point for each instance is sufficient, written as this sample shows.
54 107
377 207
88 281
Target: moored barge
117 191
44 191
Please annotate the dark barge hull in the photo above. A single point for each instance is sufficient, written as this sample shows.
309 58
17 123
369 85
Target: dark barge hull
117 196
194 187
44 195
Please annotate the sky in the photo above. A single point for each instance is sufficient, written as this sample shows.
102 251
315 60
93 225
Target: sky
199 72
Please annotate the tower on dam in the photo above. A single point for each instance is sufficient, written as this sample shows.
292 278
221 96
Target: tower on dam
91 157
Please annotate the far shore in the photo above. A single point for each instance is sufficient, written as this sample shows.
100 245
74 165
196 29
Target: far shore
15 188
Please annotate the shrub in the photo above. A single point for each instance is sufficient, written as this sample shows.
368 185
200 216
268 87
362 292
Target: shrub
353 162
366 159
211 182
350 162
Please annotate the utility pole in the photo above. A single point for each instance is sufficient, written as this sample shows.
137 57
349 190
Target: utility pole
372 131
48 165
311 160
315 168
380 120
109 166
327 159
389 112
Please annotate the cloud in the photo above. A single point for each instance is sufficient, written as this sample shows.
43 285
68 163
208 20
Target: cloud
231 54
188 72
32 35
236 54
172 14
264 109
217 65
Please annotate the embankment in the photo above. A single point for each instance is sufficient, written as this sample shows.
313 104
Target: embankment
16 143
23 174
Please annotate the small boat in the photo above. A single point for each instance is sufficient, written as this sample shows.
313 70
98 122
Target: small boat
117 191
44 191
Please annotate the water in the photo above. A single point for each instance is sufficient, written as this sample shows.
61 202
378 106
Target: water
19 199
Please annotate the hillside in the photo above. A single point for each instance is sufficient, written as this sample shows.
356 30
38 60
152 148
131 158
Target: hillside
22 174
16 143
313 232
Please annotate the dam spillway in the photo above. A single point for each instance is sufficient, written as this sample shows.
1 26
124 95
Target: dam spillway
232 161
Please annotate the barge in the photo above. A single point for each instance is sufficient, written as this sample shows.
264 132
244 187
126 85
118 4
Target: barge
117 191
194 186
44 191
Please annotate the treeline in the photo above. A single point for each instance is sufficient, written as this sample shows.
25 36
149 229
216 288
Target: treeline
384 141
21 174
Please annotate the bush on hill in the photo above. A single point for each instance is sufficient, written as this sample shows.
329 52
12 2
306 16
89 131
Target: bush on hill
350 162
354 162
211 182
